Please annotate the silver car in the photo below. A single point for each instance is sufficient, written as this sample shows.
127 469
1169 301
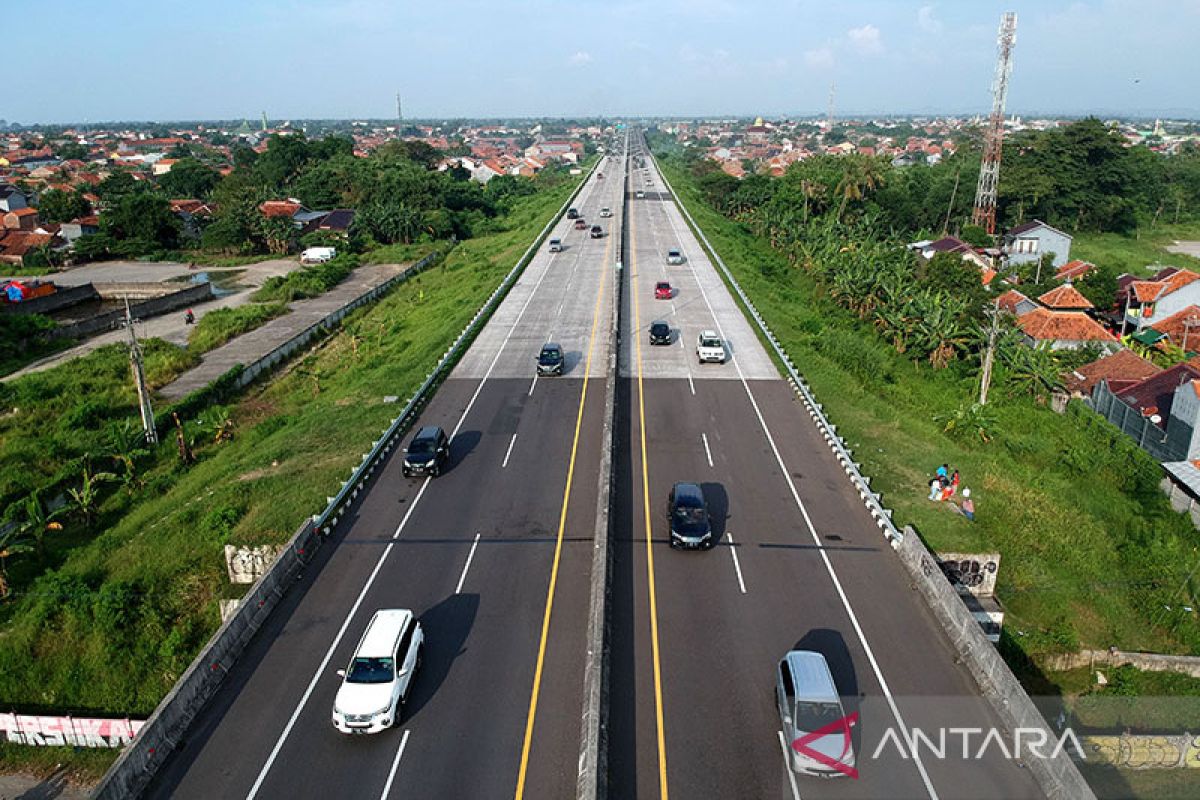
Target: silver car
808 702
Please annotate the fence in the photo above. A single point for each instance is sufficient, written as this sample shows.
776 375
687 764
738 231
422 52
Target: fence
1058 777
135 768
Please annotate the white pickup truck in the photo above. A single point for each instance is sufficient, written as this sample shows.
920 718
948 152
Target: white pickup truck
709 347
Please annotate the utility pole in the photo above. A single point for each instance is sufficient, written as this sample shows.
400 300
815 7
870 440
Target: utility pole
953 194
993 140
399 116
829 116
989 354
264 121
139 379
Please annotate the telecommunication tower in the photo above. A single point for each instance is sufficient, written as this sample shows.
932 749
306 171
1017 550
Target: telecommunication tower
264 121
399 114
829 116
984 214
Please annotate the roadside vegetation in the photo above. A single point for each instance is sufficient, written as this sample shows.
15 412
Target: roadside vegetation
311 281
220 325
1092 553
108 601
25 338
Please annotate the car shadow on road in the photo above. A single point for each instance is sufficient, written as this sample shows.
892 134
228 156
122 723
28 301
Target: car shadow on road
832 645
571 359
718 508
461 446
447 626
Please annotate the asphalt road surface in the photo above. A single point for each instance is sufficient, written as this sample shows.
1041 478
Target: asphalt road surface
801 564
494 556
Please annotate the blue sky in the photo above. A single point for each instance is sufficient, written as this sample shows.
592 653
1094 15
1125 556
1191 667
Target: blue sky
182 59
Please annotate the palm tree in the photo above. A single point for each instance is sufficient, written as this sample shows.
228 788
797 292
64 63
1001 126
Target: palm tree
862 176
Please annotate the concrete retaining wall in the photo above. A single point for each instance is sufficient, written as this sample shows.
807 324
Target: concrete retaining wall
138 763
135 291
65 296
111 320
135 768
1150 662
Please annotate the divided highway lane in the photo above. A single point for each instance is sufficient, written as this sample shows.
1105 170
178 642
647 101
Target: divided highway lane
717 622
473 553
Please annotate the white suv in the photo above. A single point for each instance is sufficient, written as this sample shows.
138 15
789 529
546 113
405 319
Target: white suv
377 681
709 347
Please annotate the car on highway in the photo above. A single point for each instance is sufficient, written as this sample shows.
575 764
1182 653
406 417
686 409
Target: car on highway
556 245
379 677
580 224
606 212
660 332
427 453
550 360
572 213
807 700
687 513
709 347
597 232
662 290
640 194
674 257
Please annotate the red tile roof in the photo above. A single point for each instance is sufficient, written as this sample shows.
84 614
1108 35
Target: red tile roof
1155 394
279 208
1181 323
1009 300
1123 367
24 212
1065 296
18 243
1073 270
1148 291
1062 326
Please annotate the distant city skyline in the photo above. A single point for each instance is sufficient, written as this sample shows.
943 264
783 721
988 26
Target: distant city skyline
345 59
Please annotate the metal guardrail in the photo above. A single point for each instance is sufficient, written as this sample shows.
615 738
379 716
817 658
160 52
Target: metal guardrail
862 483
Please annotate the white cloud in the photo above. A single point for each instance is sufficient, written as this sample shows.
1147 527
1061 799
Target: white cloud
866 40
927 22
580 59
820 58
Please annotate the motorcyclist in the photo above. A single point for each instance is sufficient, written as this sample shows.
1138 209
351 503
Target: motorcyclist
189 317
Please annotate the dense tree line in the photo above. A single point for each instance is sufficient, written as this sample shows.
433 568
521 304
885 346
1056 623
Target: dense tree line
1081 177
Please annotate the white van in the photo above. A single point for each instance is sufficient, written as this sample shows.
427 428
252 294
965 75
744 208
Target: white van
318 255
808 701
379 676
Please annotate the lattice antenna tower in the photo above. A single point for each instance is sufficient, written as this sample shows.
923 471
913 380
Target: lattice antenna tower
399 115
984 214
829 115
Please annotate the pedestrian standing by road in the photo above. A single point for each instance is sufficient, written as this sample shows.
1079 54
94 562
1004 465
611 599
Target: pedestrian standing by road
968 506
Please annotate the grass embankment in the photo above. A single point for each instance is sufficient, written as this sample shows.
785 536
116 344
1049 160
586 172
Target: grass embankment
397 253
305 282
1144 254
80 766
25 338
111 628
217 327
1091 550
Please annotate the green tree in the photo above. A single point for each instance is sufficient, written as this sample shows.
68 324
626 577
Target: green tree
69 151
140 223
85 498
55 205
118 185
189 179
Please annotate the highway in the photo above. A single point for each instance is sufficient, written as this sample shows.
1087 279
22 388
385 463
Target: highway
494 557
801 564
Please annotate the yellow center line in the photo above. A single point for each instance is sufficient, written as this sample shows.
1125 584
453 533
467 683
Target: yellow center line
637 337
562 524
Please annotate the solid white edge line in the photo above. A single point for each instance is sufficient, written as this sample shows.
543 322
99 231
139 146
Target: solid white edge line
387 787
707 452
736 564
508 452
462 578
262 775
788 766
837 584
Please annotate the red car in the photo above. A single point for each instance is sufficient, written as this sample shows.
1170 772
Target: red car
662 291
580 224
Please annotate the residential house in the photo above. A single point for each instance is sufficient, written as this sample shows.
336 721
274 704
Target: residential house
1181 329
950 244
1147 302
23 219
1121 369
336 222
15 245
77 228
1064 330
1065 298
1160 413
1073 270
1027 243
1016 303
11 198
290 208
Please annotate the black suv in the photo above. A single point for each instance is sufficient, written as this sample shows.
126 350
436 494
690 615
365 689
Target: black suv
427 453
660 332
597 232
550 360
573 214
687 514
